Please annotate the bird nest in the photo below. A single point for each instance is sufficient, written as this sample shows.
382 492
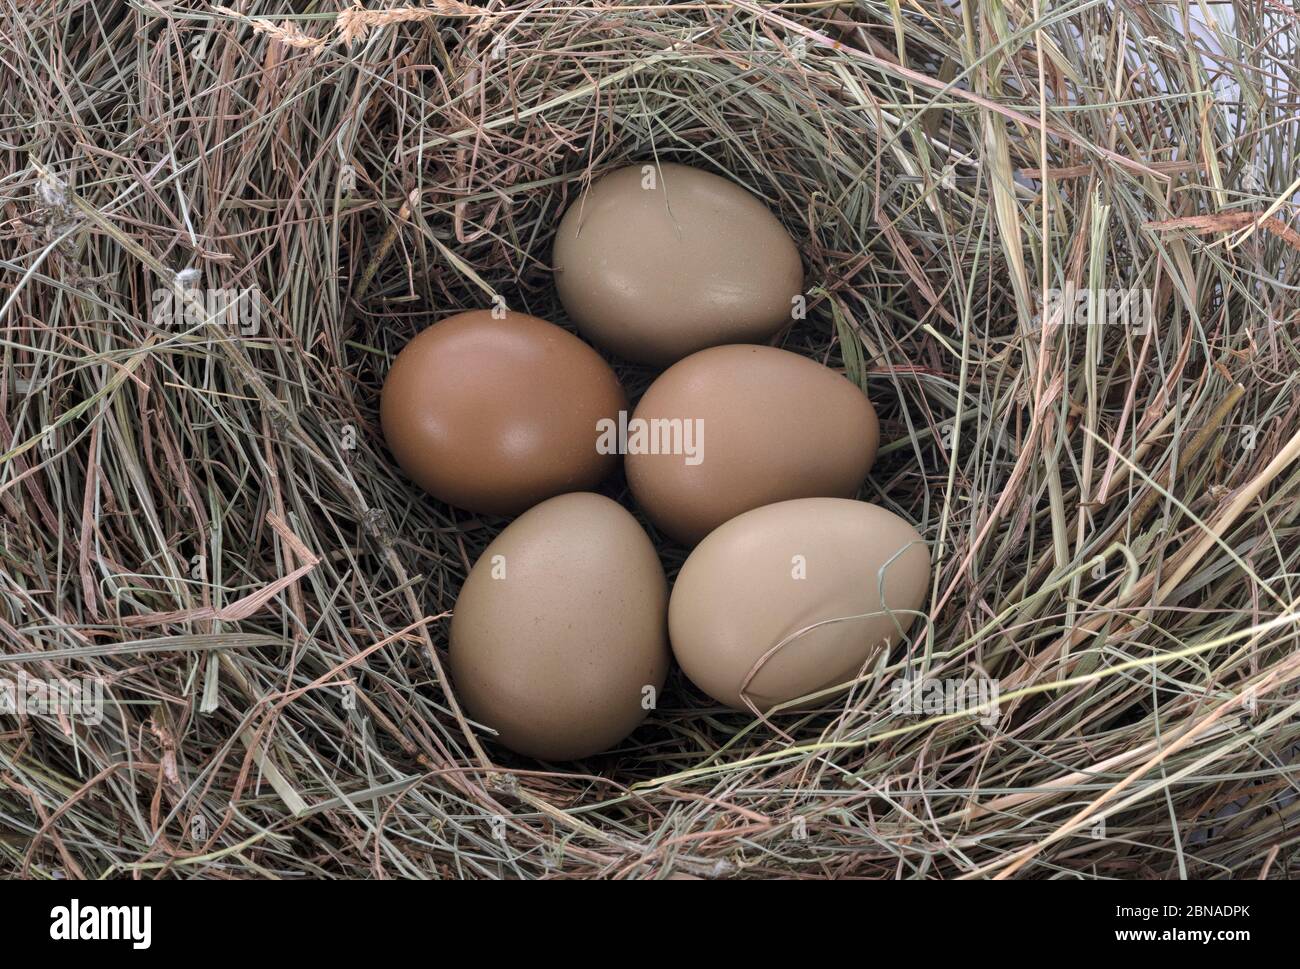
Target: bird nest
1056 246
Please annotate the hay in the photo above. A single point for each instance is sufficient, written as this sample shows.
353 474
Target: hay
207 520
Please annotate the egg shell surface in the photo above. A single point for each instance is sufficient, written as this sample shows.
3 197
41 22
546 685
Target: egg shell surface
496 415
771 426
786 569
654 263
561 628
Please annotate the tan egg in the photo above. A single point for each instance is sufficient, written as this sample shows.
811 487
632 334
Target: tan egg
656 263
496 415
559 637
764 424
794 590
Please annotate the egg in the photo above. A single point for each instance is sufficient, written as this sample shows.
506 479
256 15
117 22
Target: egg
495 415
732 428
654 263
806 592
559 636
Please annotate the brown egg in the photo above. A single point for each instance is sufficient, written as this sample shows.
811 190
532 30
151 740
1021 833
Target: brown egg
656 263
496 415
758 587
559 638
766 425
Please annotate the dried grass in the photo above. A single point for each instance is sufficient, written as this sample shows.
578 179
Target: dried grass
185 515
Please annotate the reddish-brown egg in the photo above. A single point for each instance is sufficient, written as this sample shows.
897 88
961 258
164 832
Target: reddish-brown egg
496 415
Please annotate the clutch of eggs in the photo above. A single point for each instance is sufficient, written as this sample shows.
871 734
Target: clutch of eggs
563 632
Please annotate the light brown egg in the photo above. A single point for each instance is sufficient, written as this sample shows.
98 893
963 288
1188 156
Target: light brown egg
768 425
559 637
656 263
496 415
794 590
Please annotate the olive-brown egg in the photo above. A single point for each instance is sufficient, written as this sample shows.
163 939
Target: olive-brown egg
559 637
495 415
655 263
732 428
796 597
